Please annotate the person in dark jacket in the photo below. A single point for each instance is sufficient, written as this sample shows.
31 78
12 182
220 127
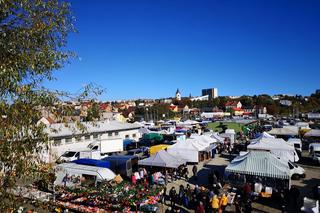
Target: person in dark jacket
195 172
172 195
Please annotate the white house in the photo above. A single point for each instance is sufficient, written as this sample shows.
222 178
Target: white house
70 136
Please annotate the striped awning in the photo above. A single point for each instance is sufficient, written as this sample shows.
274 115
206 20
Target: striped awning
260 163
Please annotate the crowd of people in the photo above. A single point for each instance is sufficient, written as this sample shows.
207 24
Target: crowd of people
199 199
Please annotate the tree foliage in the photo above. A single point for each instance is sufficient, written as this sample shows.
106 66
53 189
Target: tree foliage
33 36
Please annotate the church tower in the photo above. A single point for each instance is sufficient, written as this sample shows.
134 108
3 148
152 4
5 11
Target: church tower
178 95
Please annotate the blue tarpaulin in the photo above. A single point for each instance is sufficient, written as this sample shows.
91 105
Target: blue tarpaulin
92 162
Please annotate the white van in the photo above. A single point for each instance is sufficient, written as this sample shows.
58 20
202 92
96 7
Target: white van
69 156
314 151
296 142
72 174
296 171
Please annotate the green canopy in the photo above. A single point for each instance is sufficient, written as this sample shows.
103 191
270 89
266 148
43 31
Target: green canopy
153 136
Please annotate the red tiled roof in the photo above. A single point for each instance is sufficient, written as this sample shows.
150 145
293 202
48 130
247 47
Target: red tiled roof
231 103
103 106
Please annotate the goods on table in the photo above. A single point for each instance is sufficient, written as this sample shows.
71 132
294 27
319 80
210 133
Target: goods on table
108 198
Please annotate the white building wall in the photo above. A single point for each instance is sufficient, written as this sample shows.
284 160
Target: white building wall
60 146
215 93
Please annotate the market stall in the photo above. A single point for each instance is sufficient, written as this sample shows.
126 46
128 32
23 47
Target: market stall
156 148
110 198
162 159
259 167
277 146
313 133
188 149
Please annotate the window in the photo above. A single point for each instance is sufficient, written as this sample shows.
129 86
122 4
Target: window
87 137
290 166
110 134
78 139
68 140
127 136
69 154
116 133
134 135
297 146
57 142
95 136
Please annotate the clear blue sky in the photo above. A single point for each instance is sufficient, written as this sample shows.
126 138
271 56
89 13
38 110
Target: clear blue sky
149 48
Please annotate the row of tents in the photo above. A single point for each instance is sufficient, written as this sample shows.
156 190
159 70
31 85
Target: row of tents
183 151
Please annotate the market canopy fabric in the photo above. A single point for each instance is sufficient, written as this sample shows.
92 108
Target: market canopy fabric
260 163
217 137
205 141
313 133
162 159
188 149
277 146
264 135
153 136
205 138
284 131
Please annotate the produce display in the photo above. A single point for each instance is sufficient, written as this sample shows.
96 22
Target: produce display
109 198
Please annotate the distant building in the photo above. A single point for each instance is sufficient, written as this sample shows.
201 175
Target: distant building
173 108
211 92
285 102
234 97
233 104
200 98
178 95
165 101
313 115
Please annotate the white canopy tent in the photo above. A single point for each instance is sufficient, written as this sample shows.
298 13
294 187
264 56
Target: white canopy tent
289 131
162 159
205 141
204 138
188 149
217 137
265 135
313 133
277 146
